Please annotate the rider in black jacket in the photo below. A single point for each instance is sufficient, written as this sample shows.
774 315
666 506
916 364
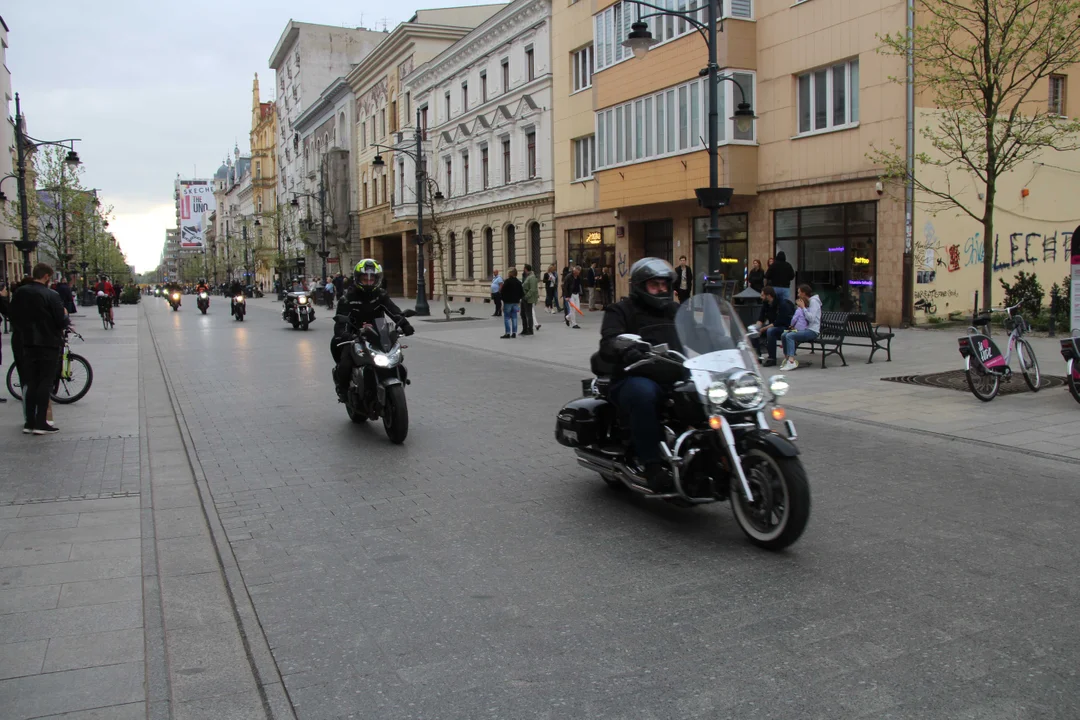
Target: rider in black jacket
363 303
649 312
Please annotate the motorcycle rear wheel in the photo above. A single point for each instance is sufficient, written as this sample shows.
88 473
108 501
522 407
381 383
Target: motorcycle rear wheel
983 385
396 415
781 493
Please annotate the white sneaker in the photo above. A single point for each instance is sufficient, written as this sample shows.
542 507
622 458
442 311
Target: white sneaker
785 366
794 364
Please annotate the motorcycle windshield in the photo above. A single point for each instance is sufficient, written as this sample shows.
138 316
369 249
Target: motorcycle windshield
708 326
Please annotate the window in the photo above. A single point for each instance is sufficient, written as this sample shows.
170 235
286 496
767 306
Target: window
393 116
373 138
483 87
464 97
484 167
449 177
1057 95
584 157
581 68
828 98
382 122
506 75
671 121
258 170
511 246
530 143
423 122
470 254
446 97
506 161
364 196
489 252
401 181
530 64
408 107
453 256
465 172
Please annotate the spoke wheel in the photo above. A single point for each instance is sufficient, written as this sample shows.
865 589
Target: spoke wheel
1029 365
984 385
13 383
781 507
76 383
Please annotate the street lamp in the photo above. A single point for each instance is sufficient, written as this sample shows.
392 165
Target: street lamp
24 145
639 41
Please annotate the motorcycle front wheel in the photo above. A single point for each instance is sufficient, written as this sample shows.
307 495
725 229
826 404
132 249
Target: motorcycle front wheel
983 385
304 325
781 507
396 414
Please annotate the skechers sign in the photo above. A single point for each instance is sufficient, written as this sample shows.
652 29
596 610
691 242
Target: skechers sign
196 204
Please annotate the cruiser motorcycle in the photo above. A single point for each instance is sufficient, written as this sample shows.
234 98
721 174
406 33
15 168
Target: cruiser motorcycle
239 307
299 310
379 377
718 438
203 302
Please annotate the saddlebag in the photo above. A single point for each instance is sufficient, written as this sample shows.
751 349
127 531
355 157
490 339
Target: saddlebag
583 422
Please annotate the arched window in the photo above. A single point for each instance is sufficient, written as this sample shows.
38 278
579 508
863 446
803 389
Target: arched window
470 255
510 235
489 252
453 256
534 246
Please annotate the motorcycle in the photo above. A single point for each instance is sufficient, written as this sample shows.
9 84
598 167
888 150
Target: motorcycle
718 441
379 377
299 310
204 301
1070 350
239 307
174 300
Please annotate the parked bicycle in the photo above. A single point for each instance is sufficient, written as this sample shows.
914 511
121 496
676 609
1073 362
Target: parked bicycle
72 382
1070 350
984 364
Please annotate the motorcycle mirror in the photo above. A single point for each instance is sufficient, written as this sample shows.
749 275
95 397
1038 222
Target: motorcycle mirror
627 341
409 313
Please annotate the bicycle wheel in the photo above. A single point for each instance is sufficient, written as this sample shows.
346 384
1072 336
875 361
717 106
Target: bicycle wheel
13 385
105 321
76 382
983 385
1029 365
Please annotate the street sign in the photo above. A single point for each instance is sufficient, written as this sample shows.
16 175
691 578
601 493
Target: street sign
332 261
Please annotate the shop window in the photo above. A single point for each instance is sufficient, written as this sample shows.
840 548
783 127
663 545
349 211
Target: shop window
734 251
591 245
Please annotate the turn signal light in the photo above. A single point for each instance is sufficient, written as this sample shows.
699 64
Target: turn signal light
778 413
716 422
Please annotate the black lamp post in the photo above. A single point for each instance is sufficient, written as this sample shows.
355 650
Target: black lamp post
24 144
639 41
422 307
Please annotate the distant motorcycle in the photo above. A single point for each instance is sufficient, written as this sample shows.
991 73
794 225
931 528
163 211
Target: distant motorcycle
174 300
299 310
239 307
204 301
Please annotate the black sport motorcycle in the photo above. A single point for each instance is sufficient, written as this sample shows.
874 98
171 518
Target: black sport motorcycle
718 441
174 300
379 377
299 310
204 301
239 307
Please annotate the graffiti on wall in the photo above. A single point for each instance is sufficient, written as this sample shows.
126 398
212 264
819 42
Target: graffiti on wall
621 265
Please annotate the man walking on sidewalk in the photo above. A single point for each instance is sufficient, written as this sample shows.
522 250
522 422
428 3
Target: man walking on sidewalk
496 293
37 314
532 295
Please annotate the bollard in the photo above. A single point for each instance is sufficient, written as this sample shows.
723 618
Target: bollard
1053 309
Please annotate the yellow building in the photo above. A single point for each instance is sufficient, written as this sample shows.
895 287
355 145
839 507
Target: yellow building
263 141
631 144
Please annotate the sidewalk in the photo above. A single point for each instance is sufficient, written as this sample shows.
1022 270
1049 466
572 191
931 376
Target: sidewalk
113 604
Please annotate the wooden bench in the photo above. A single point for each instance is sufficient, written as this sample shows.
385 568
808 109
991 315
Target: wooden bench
841 328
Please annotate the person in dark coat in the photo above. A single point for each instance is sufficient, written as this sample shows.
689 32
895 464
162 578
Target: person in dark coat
39 321
755 279
684 280
780 275
66 296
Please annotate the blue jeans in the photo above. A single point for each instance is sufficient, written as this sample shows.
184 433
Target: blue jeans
639 398
769 338
796 336
782 293
510 317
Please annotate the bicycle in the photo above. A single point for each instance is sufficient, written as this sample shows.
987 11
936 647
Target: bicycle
105 311
72 382
984 365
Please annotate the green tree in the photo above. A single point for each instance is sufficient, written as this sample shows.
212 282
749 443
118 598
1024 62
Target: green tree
983 64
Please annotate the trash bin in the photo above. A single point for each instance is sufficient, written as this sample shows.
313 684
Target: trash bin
747 306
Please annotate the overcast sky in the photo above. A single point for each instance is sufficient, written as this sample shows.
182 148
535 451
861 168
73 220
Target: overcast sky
155 89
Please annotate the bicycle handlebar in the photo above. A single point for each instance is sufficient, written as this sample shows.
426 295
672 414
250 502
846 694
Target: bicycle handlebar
1008 310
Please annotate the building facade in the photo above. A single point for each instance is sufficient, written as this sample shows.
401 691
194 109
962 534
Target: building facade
485 107
234 219
263 138
382 107
630 144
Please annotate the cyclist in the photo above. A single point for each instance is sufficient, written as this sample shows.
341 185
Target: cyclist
104 291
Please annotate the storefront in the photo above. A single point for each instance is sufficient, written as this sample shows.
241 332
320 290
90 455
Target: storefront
833 249
734 249
591 245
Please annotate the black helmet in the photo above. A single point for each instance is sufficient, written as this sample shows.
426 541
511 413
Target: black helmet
368 276
647 269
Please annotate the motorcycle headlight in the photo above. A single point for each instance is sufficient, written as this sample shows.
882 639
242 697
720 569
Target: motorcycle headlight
778 385
718 394
176 296
382 360
239 298
203 295
746 389
302 300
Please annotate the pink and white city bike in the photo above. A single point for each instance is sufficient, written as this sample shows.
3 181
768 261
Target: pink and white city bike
984 364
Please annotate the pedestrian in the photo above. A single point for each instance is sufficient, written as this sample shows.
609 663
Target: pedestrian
496 293
531 288
755 279
339 280
39 321
66 296
810 307
5 296
773 321
329 292
592 285
551 289
780 275
684 280
605 286
571 291
512 292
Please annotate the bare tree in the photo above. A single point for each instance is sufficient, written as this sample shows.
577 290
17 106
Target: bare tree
984 65
439 237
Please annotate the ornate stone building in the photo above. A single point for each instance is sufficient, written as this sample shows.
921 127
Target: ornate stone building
263 140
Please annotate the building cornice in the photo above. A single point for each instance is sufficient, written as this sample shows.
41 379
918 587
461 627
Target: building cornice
284 44
499 30
383 58
327 100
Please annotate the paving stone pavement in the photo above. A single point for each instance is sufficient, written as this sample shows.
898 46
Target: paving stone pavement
478 572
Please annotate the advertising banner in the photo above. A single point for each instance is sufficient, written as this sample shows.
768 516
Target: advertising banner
196 204
1075 266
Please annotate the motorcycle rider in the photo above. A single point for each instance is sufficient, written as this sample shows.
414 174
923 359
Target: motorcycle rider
649 311
363 303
